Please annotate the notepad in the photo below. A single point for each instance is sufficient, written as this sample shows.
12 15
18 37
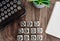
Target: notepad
53 27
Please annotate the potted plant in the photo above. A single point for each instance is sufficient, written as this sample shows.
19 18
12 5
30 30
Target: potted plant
41 3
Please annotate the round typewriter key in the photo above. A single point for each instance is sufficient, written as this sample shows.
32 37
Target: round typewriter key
19 8
8 5
14 6
3 18
8 10
19 2
0 20
0 4
11 8
15 10
3 2
12 12
9 14
7 0
2 9
11 3
2 14
6 16
15 1
5 7
5 12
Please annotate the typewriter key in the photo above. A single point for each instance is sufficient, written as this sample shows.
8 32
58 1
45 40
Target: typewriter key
6 16
8 5
5 12
15 1
11 8
2 14
19 8
8 10
7 0
12 12
11 3
14 6
5 7
19 2
0 4
9 14
2 9
15 10
3 18
3 2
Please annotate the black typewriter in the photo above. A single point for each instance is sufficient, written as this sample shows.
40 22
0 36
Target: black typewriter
9 11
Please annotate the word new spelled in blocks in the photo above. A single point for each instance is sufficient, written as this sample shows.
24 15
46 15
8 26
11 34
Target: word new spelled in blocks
30 23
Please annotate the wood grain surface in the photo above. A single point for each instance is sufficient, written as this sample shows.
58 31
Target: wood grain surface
32 14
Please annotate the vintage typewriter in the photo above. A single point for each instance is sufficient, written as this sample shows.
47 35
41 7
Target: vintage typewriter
9 11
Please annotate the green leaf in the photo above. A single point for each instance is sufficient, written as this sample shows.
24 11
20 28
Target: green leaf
36 2
47 3
45 0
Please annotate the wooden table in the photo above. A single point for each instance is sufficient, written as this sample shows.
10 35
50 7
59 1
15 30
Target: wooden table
32 14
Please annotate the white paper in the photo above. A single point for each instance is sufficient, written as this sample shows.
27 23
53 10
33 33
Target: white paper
53 27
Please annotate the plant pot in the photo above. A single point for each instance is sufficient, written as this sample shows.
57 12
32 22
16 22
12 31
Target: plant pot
38 5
